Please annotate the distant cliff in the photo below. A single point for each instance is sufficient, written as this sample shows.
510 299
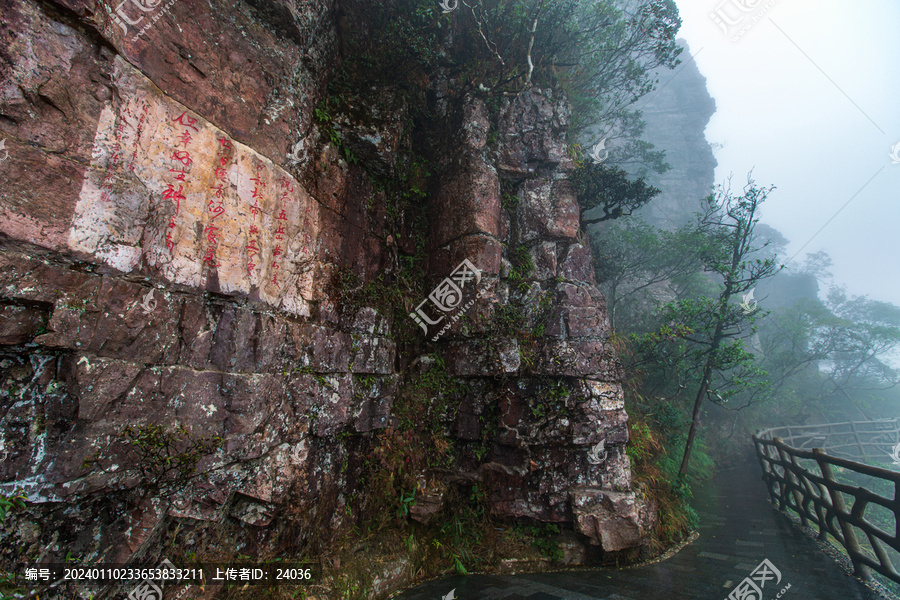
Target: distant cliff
677 114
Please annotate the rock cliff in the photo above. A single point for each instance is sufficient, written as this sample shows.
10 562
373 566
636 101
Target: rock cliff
677 114
197 251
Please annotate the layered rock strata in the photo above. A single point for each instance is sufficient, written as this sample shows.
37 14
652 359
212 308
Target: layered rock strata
172 221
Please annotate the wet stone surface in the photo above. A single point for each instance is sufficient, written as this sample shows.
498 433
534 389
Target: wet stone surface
740 529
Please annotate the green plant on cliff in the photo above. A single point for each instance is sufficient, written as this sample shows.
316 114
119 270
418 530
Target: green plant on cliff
162 459
417 444
324 119
656 436
8 580
8 588
610 190
543 538
543 313
655 473
508 320
395 41
522 268
461 537
603 53
424 403
10 503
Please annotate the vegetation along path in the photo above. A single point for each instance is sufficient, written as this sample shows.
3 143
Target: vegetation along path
739 530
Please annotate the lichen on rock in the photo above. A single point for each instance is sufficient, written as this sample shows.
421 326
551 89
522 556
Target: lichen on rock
176 223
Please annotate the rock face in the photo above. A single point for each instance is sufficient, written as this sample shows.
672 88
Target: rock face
611 519
172 221
562 394
677 114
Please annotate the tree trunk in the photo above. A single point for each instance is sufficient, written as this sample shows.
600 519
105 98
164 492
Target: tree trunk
695 419
718 336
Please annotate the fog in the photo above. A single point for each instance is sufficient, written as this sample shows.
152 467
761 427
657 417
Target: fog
809 98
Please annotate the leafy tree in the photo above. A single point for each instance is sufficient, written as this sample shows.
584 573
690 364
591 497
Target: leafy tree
638 267
604 53
826 359
612 54
858 334
787 342
609 189
703 338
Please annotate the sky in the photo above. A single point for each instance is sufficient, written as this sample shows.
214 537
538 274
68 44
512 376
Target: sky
808 97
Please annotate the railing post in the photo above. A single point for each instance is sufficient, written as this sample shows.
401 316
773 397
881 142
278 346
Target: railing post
762 455
794 484
895 508
840 509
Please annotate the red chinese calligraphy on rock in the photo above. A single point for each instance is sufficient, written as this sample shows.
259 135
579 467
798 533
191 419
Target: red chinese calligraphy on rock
211 236
170 241
225 152
186 120
209 259
286 186
253 250
175 195
183 157
216 210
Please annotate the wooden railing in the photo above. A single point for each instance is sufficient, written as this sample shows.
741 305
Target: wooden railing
857 504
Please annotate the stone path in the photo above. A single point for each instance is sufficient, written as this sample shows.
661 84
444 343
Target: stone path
740 530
